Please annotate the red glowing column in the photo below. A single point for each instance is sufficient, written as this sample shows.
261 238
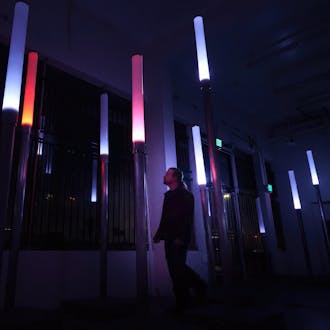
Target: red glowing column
27 120
138 138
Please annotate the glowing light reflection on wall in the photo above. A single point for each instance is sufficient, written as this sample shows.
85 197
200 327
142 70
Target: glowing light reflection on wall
260 217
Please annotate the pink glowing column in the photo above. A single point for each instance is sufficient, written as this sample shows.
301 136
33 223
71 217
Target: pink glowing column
138 139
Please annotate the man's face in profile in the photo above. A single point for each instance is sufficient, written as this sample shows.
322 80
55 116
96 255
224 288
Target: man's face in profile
168 177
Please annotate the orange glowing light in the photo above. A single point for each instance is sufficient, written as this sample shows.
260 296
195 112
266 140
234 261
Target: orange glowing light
138 134
30 86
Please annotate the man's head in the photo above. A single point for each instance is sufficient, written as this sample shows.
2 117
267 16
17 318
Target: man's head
173 177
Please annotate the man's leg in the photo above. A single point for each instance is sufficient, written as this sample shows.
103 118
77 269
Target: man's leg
176 258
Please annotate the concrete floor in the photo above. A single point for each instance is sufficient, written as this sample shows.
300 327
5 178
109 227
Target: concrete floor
288 304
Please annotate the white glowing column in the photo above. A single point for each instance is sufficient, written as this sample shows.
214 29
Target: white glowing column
12 91
199 159
312 167
294 190
104 158
104 135
203 65
138 134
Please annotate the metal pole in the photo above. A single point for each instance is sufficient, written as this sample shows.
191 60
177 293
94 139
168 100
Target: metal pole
7 140
17 218
208 237
323 220
238 217
104 227
215 171
304 241
140 223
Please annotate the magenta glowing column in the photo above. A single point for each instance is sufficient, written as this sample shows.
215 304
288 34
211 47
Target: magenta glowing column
138 139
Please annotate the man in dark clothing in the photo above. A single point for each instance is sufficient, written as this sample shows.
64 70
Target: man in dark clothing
175 228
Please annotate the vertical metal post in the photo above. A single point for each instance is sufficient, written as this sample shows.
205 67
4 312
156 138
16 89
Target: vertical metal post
208 237
215 171
17 218
140 223
104 227
323 220
7 140
304 241
238 217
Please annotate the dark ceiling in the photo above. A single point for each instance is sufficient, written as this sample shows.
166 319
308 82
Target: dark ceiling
269 60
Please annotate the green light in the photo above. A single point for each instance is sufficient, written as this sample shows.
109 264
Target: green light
218 143
270 188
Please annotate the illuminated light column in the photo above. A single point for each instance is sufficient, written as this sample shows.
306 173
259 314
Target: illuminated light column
204 78
104 156
94 182
27 121
10 108
315 181
138 139
297 207
201 180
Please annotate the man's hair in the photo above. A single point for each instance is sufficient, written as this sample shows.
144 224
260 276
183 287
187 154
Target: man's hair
177 173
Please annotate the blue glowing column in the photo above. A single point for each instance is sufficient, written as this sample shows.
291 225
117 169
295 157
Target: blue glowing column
10 108
138 139
204 77
297 207
201 180
315 181
104 156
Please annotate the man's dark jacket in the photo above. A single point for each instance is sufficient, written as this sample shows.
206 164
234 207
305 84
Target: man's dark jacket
177 215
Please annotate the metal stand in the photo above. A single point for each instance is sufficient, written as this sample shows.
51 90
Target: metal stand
323 220
304 241
140 223
208 237
18 218
215 170
104 227
7 140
